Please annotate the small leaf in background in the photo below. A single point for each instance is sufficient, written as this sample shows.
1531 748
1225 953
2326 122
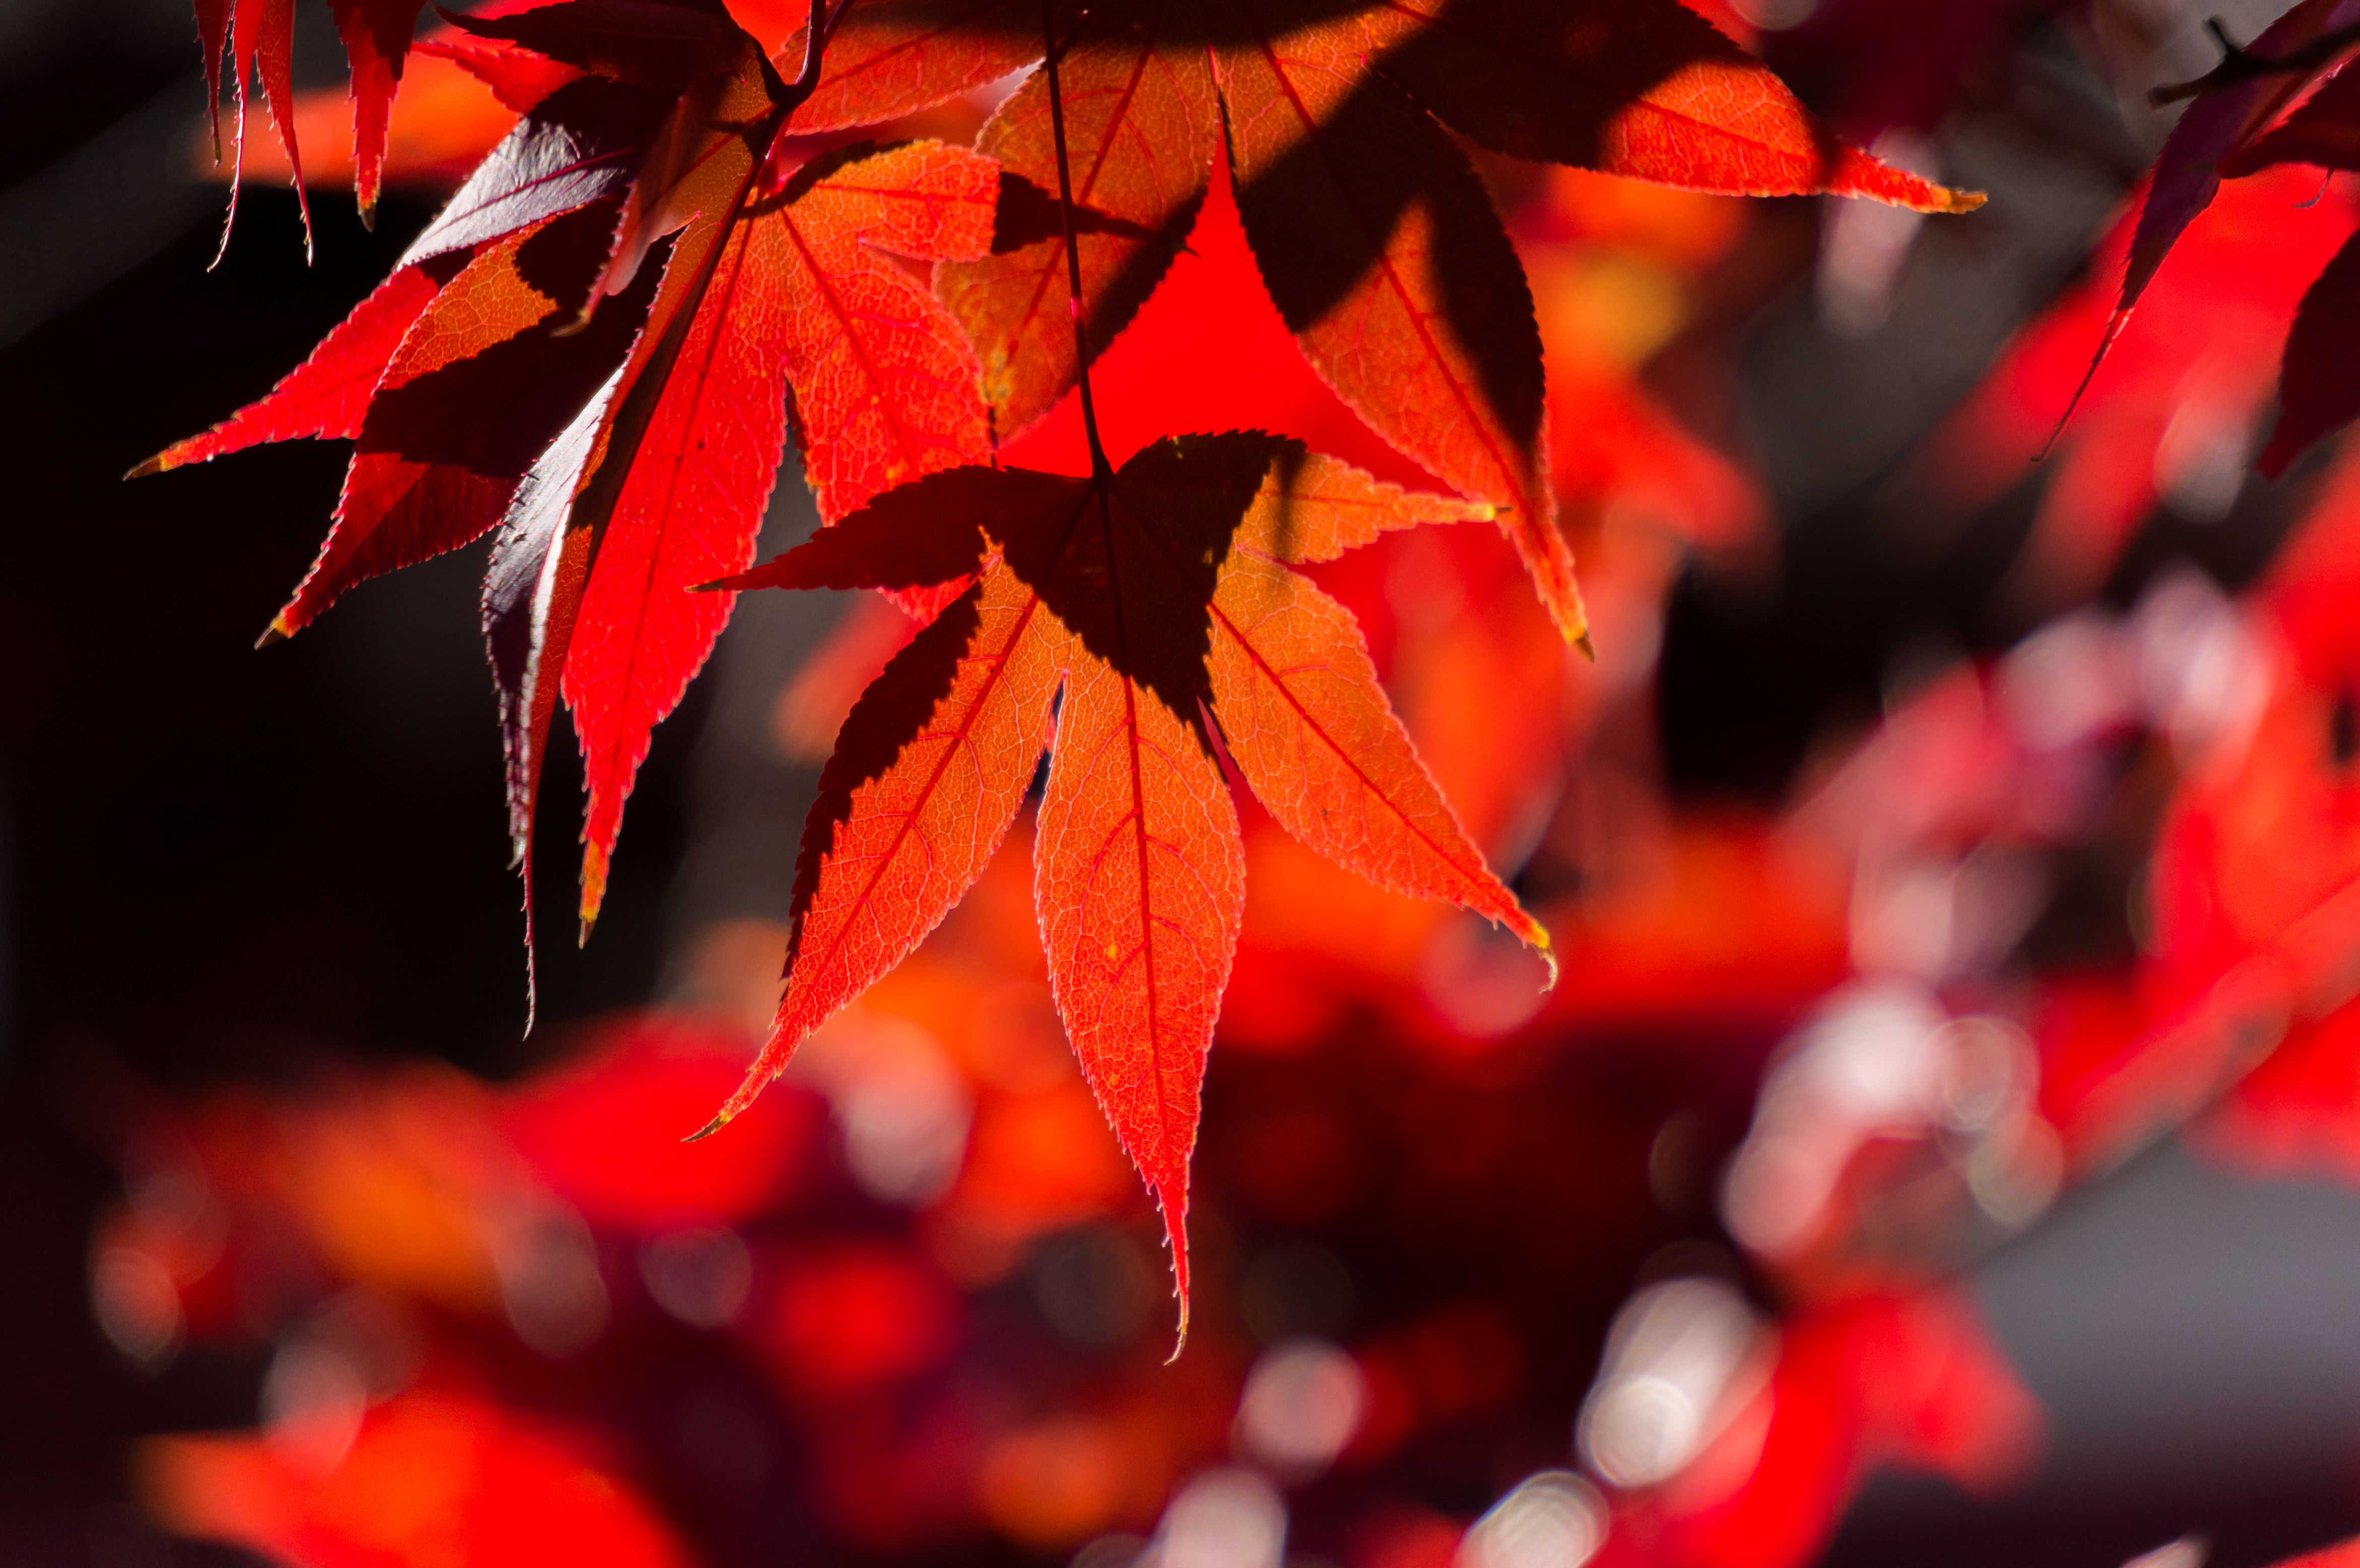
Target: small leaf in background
428 1477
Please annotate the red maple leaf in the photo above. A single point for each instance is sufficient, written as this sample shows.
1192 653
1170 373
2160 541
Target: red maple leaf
1155 611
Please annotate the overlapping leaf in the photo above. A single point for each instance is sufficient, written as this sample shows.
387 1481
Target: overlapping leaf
1377 240
581 147
1154 609
430 473
650 177
885 394
1141 131
696 175
1382 253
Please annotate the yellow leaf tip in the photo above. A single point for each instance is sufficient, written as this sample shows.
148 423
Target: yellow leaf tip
1961 200
594 887
707 1130
1581 639
277 631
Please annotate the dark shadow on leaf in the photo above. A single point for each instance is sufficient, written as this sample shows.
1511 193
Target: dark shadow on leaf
916 535
494 411
1132 572
1320 216
1546 82
1027 214
1286 465
387 28
892 714
654 45
798 184
1129 289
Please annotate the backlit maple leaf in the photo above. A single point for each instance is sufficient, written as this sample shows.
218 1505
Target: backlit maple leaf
1155 612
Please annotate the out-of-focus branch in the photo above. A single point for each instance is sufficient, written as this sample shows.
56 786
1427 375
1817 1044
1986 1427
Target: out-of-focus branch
2239 65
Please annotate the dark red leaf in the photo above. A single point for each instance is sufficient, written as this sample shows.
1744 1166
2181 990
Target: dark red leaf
532 594
651 43
689 512
2317 389
376 39
263 45
2324 130
518 77
696 180
2187 171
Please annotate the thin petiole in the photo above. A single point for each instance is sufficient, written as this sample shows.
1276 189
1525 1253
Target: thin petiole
1101 469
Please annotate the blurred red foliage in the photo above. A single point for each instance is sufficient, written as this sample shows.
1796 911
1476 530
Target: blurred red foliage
428 1478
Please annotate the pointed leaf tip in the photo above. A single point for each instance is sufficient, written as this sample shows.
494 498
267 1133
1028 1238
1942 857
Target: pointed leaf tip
707 1130
276 632
594 886
1175 1233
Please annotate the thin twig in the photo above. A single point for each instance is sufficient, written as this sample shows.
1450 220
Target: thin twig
2239 65
816 36
1100 467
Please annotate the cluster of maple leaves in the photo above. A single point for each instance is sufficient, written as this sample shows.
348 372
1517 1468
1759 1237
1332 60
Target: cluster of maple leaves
682 253
1159 605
